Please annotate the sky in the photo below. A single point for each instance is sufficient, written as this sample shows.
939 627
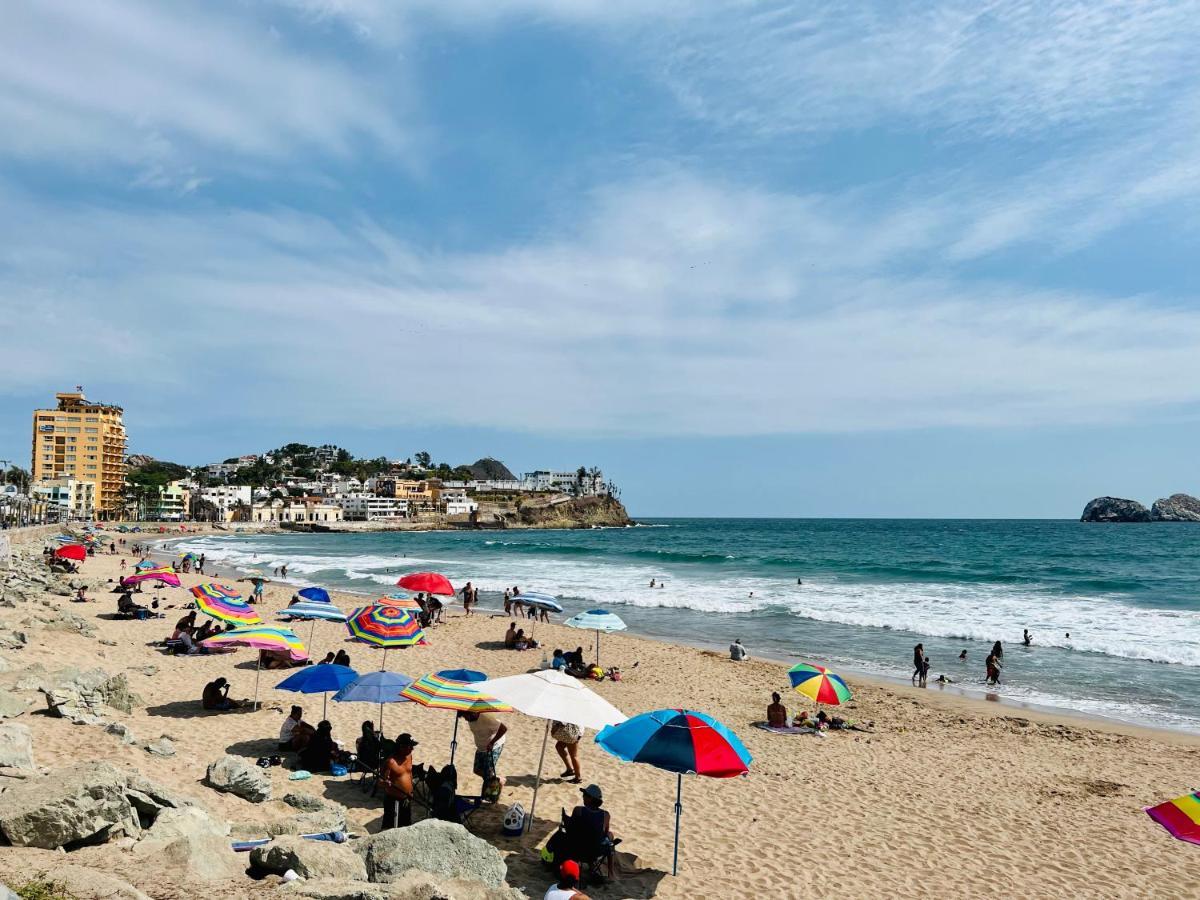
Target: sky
751 258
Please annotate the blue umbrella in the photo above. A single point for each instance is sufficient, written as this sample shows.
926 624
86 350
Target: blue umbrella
596 620
540 601
375 687
318 680
314 593
469 675
682 741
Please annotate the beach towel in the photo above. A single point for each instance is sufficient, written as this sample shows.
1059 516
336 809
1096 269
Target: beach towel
786 729
336 837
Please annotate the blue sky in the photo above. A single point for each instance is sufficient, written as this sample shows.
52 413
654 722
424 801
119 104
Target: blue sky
753 258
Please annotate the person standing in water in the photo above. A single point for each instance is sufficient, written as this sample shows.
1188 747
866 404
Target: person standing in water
998 651
918 662
1027 638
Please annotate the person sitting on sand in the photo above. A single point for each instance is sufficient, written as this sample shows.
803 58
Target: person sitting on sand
737 652
327 660
321 750
559 661
801 720
207 630
187 623
575 664
81 595
294 733
522 642
567 886
126 607
510 636
342 659
777 716
216 696
277 659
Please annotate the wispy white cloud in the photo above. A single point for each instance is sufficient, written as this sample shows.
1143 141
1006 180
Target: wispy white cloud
159 89
671 306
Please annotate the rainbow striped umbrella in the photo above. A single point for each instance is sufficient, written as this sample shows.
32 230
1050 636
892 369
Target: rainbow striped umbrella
819 684
224 603
453 689
1181 817
163 574
384 625
260 637
400 601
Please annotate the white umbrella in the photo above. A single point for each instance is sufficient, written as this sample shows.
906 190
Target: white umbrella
552 696
597 620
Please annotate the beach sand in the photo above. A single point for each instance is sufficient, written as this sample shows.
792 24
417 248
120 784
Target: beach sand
949 797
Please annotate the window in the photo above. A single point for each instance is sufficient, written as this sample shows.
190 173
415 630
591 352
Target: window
92 430
91 419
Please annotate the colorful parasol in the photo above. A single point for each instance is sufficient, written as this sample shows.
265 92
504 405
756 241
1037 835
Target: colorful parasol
72 551
188 556
260 637
1181 817
313 609
163 574
224 603
384 625
427 583
682 741
453 689
402 601
143 565
819 684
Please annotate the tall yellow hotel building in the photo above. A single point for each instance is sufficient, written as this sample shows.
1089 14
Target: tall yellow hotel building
84 440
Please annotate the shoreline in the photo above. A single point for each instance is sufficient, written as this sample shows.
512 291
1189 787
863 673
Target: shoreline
979 701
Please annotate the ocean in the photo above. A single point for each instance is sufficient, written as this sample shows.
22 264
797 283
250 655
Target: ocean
1128 596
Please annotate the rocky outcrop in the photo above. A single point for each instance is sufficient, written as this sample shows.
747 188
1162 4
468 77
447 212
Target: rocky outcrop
309 859
90 884
234 775
1114 509
83 697
67 807
16 747
1176 508
441 848
579 512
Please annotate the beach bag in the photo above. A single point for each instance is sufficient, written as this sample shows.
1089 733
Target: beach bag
514 820
337 770
491 789
566 732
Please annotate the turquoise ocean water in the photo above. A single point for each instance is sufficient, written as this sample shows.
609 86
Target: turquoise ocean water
1128 595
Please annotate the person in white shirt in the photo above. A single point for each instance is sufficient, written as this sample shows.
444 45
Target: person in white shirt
736 651
489 733
567 887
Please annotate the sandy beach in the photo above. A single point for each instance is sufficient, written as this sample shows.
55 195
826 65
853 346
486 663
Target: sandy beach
948 797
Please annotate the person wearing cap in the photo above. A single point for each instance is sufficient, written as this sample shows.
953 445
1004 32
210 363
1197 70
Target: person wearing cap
398 784
592 821
567 886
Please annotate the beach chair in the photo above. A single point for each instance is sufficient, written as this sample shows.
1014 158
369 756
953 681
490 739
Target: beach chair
436 792
587 845
369 769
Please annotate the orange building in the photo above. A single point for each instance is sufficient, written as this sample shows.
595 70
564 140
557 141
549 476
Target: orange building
84 440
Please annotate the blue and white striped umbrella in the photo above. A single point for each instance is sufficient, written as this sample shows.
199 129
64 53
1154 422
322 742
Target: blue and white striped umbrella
540 601
313 609
597 620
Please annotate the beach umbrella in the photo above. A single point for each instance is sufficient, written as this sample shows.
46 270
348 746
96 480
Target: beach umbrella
260 637
386 626
144 564
319 594
188 556
553 696
681 741
72 551
224 603
1181 817
401 601
427 583
819 684
319 680
453 689
540 601
64 538
374 687
162 574
596 620
312 610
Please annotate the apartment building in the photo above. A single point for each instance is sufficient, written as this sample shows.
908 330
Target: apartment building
84 440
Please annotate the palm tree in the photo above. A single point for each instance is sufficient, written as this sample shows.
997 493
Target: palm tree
18 476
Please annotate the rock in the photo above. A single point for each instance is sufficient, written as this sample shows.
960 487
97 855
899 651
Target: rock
1114 509
234 775
90 884
306 802
443 848
1176 508
333 889
150 798
162 747
12 706
173 824
205 857
6 894
69 806
65 620
16 746
122 731
415 885
310 823
309 859
83 696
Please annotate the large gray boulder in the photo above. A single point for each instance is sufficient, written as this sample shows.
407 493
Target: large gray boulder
1114 509
442 848
91 884
84 697
16 746
204 857
309 859
332 819
12 705
69 806
234 775
1176 508
172 824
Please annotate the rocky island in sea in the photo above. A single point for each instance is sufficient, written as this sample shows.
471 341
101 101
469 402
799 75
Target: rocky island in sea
1176 508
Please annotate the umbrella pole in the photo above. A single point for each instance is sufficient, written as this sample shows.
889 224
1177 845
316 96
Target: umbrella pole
383 665
678 813
381 718
454 740
257 672
324 705
311 632
597 646
538 781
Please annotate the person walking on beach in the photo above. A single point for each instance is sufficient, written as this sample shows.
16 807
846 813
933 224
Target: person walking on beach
918 662
507 602
566 745
283 571
200 565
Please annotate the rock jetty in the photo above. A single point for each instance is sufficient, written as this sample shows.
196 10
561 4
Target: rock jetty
1176 508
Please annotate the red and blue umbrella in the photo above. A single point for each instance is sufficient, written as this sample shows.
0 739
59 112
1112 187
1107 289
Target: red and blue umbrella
682 741
386 626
